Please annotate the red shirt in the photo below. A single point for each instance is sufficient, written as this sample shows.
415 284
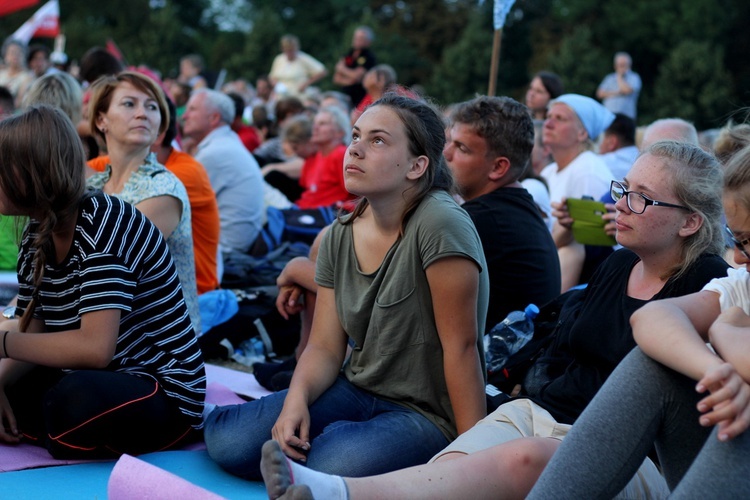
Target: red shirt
249 137
323 180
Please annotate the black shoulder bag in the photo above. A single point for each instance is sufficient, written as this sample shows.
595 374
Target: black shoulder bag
559 313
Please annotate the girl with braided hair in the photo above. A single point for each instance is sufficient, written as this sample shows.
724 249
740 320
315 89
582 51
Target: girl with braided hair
104 359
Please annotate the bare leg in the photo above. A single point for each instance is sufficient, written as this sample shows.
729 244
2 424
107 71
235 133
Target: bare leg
450 456
505 471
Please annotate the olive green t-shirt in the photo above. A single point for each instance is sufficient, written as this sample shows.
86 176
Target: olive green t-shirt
388 314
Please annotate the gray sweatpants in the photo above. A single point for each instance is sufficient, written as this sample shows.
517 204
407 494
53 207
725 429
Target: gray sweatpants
645 403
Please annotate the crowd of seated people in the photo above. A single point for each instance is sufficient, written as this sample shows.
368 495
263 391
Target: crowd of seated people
446 224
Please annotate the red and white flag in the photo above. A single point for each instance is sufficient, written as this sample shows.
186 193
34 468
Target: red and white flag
45 23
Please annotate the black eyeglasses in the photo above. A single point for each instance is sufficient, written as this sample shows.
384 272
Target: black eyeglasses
739 244
638 202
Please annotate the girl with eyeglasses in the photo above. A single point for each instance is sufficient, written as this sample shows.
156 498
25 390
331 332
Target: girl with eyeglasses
689 398
672 248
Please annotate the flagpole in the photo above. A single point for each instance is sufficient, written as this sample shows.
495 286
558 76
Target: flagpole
499 13
495 61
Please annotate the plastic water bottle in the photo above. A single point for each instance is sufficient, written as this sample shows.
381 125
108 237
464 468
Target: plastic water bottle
250 351
509 336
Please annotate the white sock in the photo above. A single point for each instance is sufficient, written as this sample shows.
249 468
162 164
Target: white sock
323 486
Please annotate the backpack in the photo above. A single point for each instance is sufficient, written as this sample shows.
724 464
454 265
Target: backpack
242 270
553 317
294 225
255 316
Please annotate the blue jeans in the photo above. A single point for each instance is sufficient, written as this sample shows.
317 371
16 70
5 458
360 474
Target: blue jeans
352 433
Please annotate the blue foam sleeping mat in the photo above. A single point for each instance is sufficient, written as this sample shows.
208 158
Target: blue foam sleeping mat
89 480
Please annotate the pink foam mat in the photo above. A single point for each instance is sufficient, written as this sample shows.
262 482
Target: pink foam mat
223 388
134 478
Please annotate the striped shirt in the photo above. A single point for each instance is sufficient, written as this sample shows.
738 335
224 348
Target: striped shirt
118 260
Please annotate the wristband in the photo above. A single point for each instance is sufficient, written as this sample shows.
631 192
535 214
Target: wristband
5 349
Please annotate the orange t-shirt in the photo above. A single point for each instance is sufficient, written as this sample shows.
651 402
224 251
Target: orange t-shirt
203 209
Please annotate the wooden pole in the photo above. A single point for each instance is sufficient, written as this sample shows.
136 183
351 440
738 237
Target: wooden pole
495 61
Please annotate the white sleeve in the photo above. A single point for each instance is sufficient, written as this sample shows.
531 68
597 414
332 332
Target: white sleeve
734 290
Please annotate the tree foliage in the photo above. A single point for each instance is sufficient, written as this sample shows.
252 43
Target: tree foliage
464 69
155 36
581 63
693 84
445 46
589 32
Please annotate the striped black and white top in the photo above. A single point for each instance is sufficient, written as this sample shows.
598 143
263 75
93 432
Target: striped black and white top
119 260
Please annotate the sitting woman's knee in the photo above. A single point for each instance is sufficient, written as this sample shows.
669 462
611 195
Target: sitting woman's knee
526 458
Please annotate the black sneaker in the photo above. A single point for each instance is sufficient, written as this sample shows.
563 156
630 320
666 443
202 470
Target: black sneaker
265 371
281 380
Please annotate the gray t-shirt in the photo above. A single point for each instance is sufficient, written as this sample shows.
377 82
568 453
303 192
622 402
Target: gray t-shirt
388 314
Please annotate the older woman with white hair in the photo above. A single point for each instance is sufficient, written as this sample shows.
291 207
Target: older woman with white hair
573 123
323 174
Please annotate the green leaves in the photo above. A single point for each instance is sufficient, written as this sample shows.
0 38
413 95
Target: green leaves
691 55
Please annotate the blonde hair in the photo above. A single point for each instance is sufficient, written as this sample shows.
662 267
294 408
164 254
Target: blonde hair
57 89
697 184
298 130
732 139
737 177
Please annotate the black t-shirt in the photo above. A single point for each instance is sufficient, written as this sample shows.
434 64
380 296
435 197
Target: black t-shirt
583 356
365 59
521 255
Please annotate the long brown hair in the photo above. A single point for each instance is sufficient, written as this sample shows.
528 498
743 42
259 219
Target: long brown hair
425 131
42 175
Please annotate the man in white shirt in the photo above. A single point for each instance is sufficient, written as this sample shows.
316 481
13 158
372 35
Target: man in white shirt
234 173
